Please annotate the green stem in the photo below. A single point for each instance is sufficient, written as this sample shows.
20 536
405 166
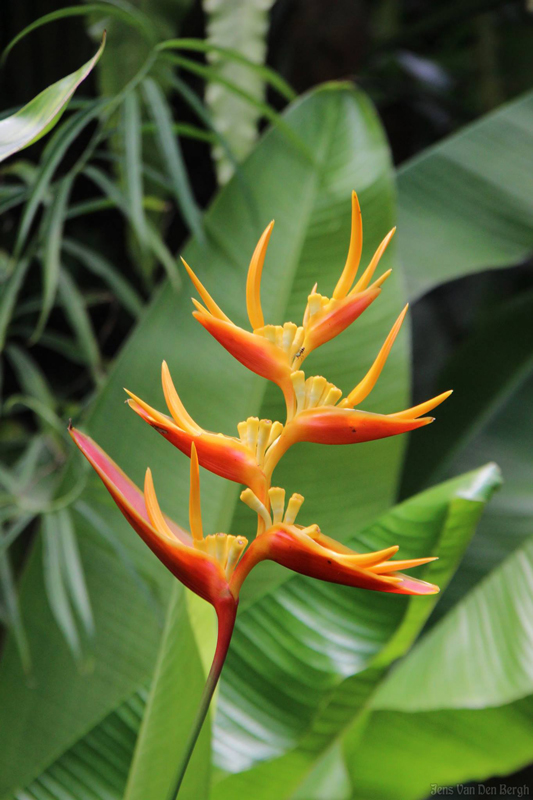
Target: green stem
226 613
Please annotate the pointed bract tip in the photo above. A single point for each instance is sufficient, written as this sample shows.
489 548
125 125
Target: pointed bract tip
381 280
69 426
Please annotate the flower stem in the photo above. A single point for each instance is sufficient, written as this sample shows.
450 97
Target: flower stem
226 613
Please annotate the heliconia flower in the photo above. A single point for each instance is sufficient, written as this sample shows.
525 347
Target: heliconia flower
276 351
210 567
319 416
214 566
239 460
326 317
204 565
309 552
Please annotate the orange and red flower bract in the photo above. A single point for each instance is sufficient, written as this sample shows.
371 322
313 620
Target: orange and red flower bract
215 566
212 567
226 456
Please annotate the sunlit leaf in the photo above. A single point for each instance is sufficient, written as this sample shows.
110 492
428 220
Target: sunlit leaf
492 663
56 590
52 155
37 117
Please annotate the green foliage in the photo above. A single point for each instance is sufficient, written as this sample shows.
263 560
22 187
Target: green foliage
479 184
309 702
42 113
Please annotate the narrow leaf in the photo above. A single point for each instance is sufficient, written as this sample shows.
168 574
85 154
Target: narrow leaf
211 75
8 591
52 234
172 157
73 570
132 172
80 323
120 9
99 265
30 376
270 76
42 113
154 240
9 296
54 580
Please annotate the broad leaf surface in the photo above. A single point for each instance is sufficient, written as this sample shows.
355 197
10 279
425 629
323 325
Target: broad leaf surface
170 713
97 765
465 204
36 118
404 754
492 375
482 651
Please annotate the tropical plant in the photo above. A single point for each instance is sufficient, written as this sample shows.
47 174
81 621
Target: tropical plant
320 680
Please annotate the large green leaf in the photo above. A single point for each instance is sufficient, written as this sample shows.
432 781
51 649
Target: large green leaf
310 200
306 660
485 372
492 374
509 520
465 204
171 711
96 766
41 114
489 635
469 676
406 755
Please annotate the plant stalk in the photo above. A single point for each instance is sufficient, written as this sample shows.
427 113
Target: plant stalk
226 613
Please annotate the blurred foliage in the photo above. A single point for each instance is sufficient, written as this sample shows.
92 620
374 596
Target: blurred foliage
92 218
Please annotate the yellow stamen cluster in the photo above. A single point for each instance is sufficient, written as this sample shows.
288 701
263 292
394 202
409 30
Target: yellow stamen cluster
279 514
315 303
288 337
313 392
258 434
225 548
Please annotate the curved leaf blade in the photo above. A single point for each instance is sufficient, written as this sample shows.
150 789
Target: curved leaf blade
36 118
489 634
465 204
